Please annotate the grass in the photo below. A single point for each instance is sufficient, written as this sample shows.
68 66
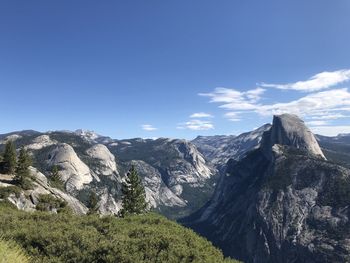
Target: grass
10 252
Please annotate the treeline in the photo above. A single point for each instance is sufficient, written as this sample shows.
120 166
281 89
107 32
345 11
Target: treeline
18 166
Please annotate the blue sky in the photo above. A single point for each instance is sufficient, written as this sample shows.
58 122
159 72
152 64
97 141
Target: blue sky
142 68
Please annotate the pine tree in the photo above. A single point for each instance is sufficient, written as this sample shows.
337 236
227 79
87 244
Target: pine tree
22 169
134 195
56 179
93 203
9 158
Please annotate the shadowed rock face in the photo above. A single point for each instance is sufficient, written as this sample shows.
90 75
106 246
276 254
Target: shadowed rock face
282 202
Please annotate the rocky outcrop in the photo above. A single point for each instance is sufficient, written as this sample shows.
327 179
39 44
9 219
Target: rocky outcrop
282 202
157 193
288 129
175 174
74 172
106 160
28 199
40 142
219 149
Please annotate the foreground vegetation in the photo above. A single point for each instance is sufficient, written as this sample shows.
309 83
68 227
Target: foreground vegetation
10 252
65 237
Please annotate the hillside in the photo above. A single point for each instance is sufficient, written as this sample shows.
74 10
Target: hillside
282 202
177 178
68 238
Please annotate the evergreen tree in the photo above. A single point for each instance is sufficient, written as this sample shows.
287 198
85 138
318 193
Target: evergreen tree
9 158
93 203
134 195
22 169
55 178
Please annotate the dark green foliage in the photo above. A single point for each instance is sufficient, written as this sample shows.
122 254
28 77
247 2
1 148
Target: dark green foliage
6 191
93 203
133 194
9 158
48 203
55 178
68 238
22 170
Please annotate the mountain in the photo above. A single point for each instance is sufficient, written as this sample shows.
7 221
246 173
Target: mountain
177 178
219 149
336 148
282 202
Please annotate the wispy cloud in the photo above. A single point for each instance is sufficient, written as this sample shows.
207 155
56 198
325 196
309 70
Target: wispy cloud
234 99
321 108
330 130
201 115
323 105
324 115
232 116
320 81
196 125
317 123
148 127
310 105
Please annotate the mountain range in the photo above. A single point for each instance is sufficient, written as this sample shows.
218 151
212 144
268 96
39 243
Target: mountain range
284 201
275 194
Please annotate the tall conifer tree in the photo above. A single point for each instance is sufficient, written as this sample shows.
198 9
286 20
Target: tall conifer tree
9 158
134 196
22 169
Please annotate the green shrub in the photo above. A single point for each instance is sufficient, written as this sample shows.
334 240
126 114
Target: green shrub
68 238
6 191
47 203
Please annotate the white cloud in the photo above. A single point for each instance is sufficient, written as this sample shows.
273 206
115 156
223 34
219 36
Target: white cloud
324 115
312 104
201 115
323 105
234 99
317 123
232 116
330 130
317 82
196 125
148 127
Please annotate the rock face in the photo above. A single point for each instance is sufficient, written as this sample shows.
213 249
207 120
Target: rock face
289 130
219 149
157 193
40 142
74 172
176 176
27 200
105 158
336 149
282 202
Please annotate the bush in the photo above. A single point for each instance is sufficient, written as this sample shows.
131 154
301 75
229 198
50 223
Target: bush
68 238
6 191
48 203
